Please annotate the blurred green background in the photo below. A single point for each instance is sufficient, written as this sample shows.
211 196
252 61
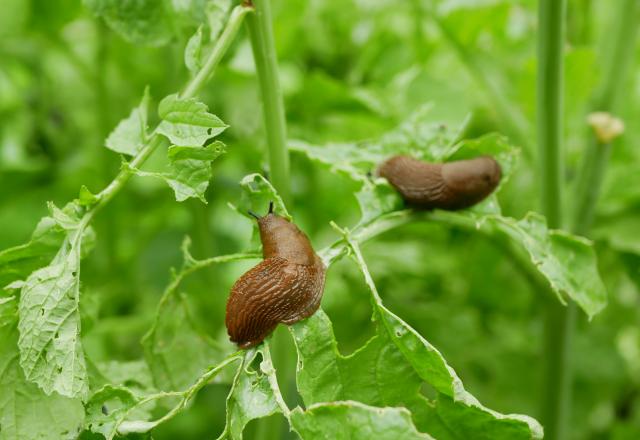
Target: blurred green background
351 70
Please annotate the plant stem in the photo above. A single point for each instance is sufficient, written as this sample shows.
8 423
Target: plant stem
264 55
588 186
224 41
550 107
618 55
556 399
265 58
616 62
191 89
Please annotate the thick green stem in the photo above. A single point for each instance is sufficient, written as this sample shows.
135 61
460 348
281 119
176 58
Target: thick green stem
616 62
266 61
556 397
550 107
264 55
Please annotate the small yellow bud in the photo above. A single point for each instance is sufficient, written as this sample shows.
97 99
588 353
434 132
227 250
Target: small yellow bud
605 126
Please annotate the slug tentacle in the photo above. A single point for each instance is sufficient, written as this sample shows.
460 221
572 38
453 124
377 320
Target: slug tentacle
284 288
453 185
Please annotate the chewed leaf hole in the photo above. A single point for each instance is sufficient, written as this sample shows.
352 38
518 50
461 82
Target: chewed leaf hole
400 331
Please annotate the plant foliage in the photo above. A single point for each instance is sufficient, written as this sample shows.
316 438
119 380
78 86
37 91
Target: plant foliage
112 303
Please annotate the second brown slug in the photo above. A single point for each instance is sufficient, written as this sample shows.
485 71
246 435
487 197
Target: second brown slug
451 186
285 287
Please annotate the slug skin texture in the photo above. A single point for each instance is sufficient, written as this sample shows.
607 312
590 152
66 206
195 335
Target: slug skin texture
285 287
451 186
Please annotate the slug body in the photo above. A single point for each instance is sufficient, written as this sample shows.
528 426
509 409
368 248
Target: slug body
451 186
285 287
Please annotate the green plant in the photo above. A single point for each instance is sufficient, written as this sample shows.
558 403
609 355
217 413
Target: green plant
415 301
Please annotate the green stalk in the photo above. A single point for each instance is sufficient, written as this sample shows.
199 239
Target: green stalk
588 185
226 38
556 399
264 55
550 107
619 54
616 63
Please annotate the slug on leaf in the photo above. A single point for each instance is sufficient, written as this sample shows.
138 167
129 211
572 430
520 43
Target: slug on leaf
451 186
285 287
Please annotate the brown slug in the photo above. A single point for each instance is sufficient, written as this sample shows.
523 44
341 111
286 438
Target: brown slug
451 186
285 287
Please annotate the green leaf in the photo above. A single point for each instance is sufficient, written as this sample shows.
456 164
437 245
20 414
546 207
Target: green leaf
176 352
130 135
193 52
354 421
216 12
376 374
421 137
478 421
567 261
377 199
26 412
258 193
108 407
191 169
86 197
66 218
186 122
138 21
135 375
19 261
461 412
254 393
114 410
8 310
382 373
417 137
50 348
492 144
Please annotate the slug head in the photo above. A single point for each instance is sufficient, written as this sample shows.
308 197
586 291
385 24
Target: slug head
281 238
471 180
